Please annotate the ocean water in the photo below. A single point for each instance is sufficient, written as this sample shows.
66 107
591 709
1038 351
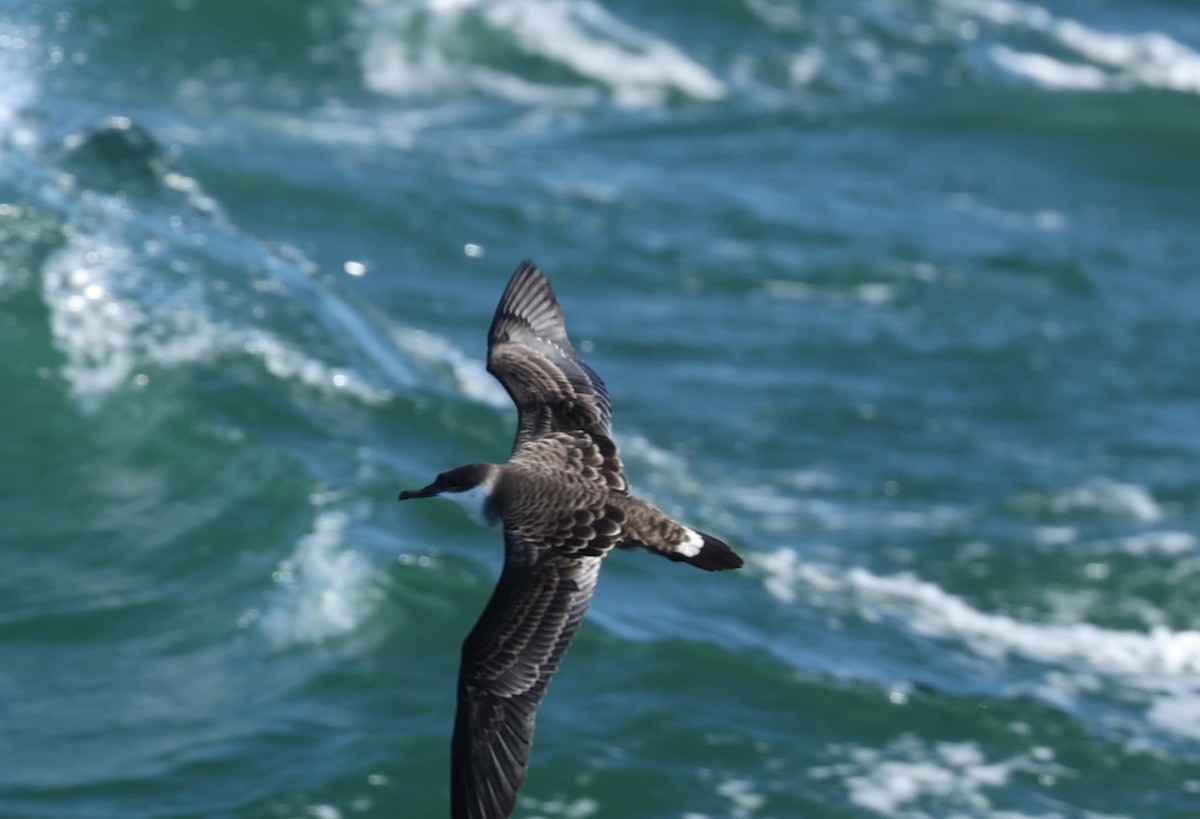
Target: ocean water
900 297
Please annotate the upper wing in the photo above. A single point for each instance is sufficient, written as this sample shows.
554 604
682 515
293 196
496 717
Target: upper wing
507 661
530 354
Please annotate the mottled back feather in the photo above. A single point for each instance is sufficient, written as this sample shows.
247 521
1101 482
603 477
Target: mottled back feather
582 465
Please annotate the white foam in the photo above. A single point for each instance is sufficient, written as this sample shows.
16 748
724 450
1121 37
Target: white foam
284 361
1159 666
131 291
785 573
1110 497
1152 59
811 480
1046 220
580 808
323 812
1049 72
467 375
776 509
17 87
778 15
325 589
583 36
92 326
1096 495
1055 535
415 48
112 322
1178 712
667 473
912 779
931 611
744 799
1147 543
1107 60
871 293
765 500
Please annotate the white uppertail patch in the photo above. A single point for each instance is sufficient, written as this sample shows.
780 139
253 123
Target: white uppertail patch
693 543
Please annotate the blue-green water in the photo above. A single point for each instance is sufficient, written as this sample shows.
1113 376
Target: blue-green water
900 297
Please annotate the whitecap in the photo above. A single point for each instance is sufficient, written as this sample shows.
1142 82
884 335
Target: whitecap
1158 668
18 89
285 361
1049 72
93 328
910 778
581 35
111 319
414 48
462 373
580 808
743 798
1055 535
1106 60
1177 712
1146 543
1099 495
324 588
668 474
929 610
322 811
1152 59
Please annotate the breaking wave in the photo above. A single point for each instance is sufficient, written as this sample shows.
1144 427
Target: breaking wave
579 51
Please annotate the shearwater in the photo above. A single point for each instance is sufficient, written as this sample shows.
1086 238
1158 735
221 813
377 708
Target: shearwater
564 503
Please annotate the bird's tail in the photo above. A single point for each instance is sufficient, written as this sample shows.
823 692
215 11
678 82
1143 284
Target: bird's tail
714 555
649 528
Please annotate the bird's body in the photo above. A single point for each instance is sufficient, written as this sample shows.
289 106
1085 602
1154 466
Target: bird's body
563 502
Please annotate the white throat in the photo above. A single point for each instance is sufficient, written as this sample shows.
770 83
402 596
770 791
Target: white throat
474 500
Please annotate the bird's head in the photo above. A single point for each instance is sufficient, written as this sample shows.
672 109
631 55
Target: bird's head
469 486
460 479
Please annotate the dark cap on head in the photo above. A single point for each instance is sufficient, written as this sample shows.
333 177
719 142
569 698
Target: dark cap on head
459 479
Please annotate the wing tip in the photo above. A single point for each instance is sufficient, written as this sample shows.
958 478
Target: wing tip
527 275
529 301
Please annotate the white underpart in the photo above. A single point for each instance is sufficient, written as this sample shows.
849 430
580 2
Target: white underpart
473 501
693 543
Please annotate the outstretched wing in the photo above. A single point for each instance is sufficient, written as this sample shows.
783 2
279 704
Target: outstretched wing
530 354
508 659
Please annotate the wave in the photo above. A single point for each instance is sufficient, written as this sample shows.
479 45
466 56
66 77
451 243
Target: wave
1096 496
563 51
1092 60
910 778
18 87
124 305
148 289
443 56
149 276
325 588
1160 667
823 55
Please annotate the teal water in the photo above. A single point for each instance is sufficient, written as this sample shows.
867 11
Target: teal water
900 297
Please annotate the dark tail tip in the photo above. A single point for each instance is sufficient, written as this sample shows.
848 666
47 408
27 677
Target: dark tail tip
714 556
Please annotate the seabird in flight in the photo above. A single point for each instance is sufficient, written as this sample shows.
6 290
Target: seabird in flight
563 502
